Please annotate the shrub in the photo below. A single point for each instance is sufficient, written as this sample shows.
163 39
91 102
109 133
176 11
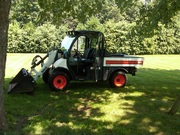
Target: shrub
31 39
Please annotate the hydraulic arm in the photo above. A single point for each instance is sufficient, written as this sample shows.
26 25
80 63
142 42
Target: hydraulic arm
24 81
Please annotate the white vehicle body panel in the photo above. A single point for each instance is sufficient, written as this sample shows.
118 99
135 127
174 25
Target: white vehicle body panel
61 63
126 61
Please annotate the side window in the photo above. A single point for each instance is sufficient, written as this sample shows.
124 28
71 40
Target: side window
79 45
99 46
82 43
100 41
93 42
96 42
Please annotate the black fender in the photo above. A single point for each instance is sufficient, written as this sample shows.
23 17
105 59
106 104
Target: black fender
114 70
64 70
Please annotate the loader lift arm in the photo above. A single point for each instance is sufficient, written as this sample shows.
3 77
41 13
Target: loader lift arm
51 58
24 81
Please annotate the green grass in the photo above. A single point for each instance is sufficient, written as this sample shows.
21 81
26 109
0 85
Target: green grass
95 108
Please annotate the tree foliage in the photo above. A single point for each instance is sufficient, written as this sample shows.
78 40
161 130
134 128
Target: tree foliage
56 10
25 11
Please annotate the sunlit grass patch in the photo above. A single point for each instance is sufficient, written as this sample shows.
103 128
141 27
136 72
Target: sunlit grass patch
95 108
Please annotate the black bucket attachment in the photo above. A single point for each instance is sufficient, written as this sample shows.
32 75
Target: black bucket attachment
23 82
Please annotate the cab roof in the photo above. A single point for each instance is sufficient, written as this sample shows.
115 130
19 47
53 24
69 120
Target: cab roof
90 34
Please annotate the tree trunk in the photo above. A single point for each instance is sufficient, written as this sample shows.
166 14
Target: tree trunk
4 24
175 106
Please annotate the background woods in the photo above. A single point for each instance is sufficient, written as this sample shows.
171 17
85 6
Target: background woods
133 27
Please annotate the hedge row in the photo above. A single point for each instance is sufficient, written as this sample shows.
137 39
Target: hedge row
120 37
31 39
123 37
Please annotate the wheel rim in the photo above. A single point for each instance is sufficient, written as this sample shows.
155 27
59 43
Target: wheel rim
60 82
119 80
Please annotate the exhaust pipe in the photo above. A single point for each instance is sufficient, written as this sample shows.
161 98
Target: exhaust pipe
23 82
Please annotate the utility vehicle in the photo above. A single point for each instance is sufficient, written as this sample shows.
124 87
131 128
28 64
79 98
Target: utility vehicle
82 56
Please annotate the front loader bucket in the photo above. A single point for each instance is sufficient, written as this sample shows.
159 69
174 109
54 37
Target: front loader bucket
23 82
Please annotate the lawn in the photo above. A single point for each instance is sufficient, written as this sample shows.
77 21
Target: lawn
95 108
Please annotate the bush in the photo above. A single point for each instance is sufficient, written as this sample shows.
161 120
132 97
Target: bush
31 39
125 37
121 37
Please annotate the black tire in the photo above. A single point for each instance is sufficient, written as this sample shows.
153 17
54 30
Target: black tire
118 80
58 81
45 76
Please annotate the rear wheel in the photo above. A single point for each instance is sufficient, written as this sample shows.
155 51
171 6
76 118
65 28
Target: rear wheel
59 81
117 80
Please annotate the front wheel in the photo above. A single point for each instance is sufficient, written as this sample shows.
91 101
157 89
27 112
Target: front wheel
59 81
117 80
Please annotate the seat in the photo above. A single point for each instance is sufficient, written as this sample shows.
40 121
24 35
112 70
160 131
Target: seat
88 56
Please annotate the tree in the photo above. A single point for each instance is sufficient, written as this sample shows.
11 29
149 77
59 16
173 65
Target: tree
4 23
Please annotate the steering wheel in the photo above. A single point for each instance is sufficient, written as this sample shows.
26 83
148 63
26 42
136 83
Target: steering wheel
77 54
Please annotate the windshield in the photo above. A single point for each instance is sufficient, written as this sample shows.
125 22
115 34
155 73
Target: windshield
66 43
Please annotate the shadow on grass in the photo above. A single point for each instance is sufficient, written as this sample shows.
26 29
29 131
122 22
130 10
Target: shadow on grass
95 108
